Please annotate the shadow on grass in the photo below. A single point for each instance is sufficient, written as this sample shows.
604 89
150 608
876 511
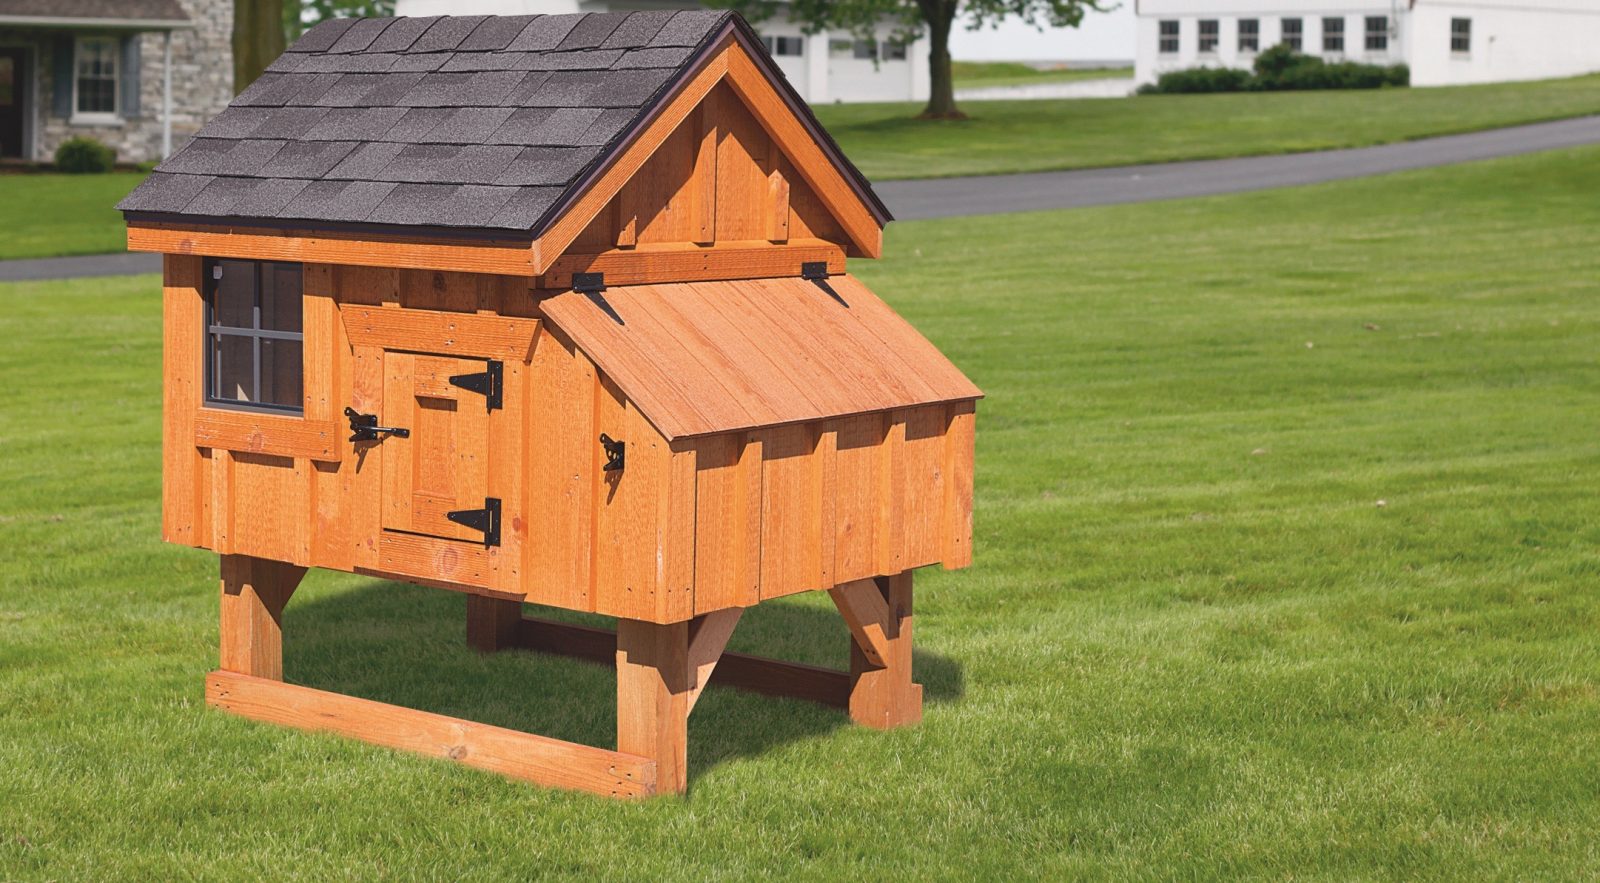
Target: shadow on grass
406 645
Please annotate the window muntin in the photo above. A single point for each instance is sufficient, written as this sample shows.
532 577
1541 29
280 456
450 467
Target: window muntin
784 45
1209 31
1333 35
1377 37
1294 33
1461 35
95 76
1249 35
1169 36
254 336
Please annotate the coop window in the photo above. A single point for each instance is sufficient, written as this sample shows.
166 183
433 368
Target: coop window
1169 36
1377 33
1333 35
1209 31
779 45
95 77
1294 33
254 337
1249 34
1461 35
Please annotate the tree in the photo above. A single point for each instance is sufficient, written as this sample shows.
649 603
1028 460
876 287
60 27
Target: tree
262 29
913 18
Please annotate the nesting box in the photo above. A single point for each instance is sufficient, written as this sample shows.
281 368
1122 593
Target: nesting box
548 309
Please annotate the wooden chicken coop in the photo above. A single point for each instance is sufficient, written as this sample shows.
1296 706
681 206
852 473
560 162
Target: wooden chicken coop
548 309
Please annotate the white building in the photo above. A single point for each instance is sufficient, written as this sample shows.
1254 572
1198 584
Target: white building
823 68
1446 42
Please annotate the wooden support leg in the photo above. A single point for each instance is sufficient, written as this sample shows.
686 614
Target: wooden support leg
882 694
254 592
653 696
492 623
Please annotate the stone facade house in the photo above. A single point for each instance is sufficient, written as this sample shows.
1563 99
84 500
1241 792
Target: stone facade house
139 75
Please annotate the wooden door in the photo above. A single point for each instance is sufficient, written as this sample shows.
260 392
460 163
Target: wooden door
442 467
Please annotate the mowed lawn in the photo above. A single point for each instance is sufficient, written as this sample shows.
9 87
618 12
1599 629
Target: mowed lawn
49 215
1286 567
887 142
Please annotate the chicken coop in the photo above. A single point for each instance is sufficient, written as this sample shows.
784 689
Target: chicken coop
549 310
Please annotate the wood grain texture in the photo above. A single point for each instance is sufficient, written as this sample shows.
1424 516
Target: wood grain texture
435 331
492 623
537 759
708 637
868 616
688 262
959 474
562 473
882 693
257 433
182 360
507 257
254 593
653 698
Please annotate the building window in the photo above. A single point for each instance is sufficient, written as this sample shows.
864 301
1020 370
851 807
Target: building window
894 50
1293 33
1169 36
1377 33
1461 35
1249 35
866 50
254 336
792 46
1208 35
1333 35
95 76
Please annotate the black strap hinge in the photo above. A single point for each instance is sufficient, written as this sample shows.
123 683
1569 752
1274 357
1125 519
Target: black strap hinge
486 519
816 272
591 285
488 384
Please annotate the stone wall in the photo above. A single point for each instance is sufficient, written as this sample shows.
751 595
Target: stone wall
202 85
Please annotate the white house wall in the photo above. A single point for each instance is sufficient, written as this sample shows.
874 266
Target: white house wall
1151 63
1511 40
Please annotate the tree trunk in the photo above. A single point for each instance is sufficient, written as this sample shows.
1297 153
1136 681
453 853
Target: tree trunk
942 89
257 39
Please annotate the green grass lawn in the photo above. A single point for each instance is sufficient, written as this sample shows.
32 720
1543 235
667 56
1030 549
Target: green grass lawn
975 74
886 142
49 215
1286 568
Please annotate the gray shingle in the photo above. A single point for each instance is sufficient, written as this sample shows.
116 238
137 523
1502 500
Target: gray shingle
423 62
586 59
441 205
349 90
259 91
394 86
354 62
401 33
632 88
468 125
525 209
277 90
446 163
593 30
544 125
546 32
306 159
221 195
163 192
539 166
355 124
610 123
495 33
237 122
637 29
567 89
482 89
446 33
417 122
288 61
217 156
336 200
289 122
360 35
323 36
486 61
366 161
662 57
689 27
269 197
525 90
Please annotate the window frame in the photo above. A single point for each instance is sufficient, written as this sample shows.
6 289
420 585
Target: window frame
97 117
775 43
1297 40
894 50
256 334
1376 40
1461 37
1332 35
1253 35
1163 38
1215 37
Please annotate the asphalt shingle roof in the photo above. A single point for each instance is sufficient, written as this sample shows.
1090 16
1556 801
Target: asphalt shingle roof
484 122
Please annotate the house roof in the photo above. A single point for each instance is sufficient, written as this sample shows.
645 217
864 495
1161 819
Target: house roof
481 122
130 12
706 357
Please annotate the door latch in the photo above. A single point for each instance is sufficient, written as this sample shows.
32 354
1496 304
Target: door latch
614 453
364 427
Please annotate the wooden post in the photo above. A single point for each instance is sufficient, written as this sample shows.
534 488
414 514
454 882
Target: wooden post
882 694
254 592
653 698
492 623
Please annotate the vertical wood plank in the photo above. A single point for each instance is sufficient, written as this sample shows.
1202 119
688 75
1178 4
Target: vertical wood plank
703 179
492 623
891 478
791 517
727 522
676 601
563 457
254 592
959 470
884 696
183 375
921 487
630 531
857 495
653 687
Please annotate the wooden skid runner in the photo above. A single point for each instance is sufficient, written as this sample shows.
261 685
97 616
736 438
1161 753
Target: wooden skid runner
537 759
756 674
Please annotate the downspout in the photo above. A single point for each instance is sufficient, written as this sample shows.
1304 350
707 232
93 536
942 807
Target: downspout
166 95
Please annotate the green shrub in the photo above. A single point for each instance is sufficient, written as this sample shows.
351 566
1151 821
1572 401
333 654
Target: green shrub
79 155
1281 69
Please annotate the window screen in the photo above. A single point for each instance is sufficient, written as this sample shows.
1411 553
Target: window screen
1294 33
1169 36
1333 35
254 336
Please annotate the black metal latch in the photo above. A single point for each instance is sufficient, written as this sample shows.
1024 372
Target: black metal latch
816 272
364 427
486 519
591 285
614 453
488 384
